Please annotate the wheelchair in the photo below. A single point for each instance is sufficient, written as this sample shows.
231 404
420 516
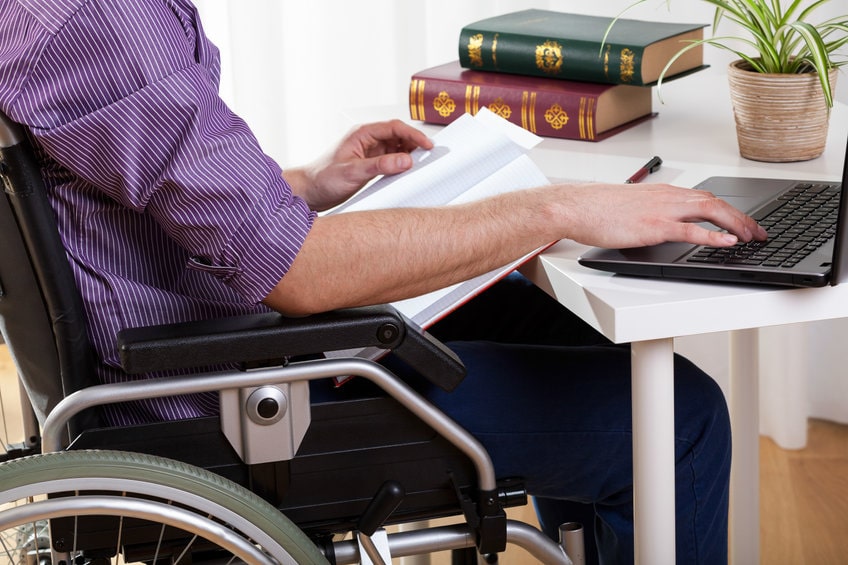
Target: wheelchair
276 478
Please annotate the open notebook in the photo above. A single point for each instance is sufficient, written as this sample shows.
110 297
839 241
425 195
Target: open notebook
472 158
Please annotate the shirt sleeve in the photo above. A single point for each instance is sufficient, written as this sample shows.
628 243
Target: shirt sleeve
133 109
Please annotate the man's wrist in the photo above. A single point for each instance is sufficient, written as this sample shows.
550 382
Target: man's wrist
299 181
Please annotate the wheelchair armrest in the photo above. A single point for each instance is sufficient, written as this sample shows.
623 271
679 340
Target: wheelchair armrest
263 337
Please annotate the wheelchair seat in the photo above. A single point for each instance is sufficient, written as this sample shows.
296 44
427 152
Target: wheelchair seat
344 456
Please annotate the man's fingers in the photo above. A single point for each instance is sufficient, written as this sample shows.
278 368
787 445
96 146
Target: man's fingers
394 163
393 136
720 239
729 218
361 171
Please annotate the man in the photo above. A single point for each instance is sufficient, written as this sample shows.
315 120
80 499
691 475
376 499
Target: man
170 211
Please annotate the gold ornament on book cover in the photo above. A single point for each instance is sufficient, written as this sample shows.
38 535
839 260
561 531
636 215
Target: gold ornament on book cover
549 57
627 68
556 116
444 104
501 108
475 49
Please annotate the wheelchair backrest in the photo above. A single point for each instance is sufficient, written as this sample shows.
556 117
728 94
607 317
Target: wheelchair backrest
41 313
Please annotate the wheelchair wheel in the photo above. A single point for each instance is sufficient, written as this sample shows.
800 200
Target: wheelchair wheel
99 507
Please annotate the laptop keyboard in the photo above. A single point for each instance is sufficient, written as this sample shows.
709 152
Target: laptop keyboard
800 221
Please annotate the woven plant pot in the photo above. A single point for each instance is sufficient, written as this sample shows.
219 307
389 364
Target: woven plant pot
779 117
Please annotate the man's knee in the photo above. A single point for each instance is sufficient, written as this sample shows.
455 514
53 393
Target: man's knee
700 405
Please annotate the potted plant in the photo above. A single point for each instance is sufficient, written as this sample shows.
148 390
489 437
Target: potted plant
782 85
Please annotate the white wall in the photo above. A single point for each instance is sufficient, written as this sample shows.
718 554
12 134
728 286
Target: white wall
290 66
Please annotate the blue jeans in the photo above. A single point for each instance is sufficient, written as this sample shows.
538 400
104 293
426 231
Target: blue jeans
549 398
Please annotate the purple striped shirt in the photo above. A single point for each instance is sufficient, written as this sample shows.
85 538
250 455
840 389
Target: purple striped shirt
167 206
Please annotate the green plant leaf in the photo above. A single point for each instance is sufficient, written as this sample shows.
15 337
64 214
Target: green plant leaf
776 37
615 19
816 55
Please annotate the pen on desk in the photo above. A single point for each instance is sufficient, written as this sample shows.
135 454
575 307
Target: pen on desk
651 166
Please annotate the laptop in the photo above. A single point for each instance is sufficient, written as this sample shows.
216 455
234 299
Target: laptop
807 222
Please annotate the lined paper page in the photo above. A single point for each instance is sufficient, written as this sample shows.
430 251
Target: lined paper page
468 151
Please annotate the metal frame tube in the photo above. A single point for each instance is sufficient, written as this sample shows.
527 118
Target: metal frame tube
572 542
308 370
29 421
458 536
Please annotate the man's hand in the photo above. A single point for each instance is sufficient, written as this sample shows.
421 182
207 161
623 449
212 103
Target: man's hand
646 214
368 151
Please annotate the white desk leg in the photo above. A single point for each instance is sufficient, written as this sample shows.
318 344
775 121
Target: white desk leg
653 451
745 468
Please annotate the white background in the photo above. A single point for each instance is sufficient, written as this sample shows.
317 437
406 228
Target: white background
289 67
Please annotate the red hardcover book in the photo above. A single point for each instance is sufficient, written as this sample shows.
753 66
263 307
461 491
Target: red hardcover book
548 107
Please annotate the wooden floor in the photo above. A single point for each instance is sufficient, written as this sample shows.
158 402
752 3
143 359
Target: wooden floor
803 494
804 499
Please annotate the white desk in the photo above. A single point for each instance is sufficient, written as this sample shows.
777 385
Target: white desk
694 133
695 136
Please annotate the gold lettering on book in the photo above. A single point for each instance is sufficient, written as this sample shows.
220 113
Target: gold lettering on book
606 62
444 104
581 118
501 108
556 117
472 99
586 118
532 111
495 50
528 111
416 100
475 49
549 57
628 69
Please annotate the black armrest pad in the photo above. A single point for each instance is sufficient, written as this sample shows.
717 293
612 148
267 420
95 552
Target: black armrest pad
431 358
263 337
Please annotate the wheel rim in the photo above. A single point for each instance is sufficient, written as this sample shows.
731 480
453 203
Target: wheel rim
225 517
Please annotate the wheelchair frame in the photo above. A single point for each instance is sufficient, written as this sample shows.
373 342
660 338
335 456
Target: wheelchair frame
259 338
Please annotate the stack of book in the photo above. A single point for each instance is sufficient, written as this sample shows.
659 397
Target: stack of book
548 73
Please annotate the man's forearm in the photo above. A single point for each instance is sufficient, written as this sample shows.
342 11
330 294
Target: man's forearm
382 256
363 258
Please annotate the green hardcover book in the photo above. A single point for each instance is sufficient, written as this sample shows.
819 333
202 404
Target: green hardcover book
568 46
